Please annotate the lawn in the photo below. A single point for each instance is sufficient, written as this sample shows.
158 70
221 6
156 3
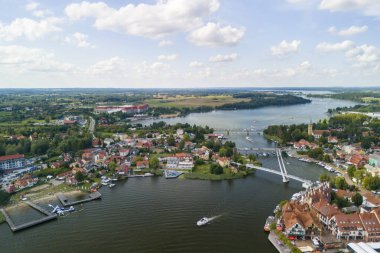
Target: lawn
370 99
194 101
202 172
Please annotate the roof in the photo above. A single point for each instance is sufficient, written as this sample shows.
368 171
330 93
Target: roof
348 221
370 222
345 194
324 208
10 157
294 213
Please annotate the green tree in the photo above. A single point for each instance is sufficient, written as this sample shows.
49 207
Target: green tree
216 169
4 197
112 166
357 199
340 183
80 177
186 137
324 177
154 163
351 170
252 157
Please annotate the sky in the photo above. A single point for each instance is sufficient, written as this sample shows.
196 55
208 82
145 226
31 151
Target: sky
189 43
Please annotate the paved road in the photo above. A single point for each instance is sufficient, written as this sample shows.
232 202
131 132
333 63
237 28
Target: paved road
91 126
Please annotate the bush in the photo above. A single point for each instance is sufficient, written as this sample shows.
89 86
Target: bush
216 169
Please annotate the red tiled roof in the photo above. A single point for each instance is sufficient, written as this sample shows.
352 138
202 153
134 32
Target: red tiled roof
9 157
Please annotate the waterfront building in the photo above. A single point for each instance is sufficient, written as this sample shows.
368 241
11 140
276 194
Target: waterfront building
324 212
371 225
298 220
142 165
9 163
347 226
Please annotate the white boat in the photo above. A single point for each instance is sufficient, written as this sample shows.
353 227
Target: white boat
104 183
111 185
202 222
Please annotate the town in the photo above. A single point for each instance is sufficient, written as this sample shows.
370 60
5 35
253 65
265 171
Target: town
343 208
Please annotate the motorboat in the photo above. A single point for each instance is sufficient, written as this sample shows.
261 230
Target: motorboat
270 220
111 185
202 222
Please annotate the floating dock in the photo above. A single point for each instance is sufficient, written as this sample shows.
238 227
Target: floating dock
65 201
169 174
49 216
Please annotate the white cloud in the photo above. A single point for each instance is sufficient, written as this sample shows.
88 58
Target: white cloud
330 47
29 28
362 56
224 58
286 48
78 39
350 31
366 7
165 43
37 11
112 65
23 59
171 57
214 34
163 18
31 6
196 64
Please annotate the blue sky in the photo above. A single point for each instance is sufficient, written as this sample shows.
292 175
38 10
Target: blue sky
183 43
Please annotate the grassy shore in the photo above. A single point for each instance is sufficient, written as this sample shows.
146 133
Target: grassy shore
202 172
273 138
41 192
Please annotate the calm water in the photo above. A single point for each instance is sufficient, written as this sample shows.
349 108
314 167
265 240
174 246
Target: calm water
159 215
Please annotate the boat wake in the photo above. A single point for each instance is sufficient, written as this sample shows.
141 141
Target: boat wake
214 217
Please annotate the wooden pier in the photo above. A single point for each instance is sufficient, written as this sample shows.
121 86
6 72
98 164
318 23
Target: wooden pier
65 202
49 216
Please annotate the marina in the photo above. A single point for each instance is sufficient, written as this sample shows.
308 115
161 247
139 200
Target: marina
48 217
170 174
65 201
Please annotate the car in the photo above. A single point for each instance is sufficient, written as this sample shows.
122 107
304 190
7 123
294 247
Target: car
315 242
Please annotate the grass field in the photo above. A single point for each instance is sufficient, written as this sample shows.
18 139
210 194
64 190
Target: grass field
370 99
202 172
193 101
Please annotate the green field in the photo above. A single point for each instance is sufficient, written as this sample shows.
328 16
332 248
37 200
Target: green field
202 172
193 101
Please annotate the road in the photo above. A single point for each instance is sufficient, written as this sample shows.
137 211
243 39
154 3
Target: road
91 127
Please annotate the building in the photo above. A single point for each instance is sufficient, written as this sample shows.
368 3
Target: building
371 225
347 226
298 220
9 163
324 212
310 129
127 109
142 165
374 160
319 133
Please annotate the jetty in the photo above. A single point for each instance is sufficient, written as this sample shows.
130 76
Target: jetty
48 217
65 201
278 244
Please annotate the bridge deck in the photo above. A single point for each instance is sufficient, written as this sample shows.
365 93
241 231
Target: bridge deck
278 173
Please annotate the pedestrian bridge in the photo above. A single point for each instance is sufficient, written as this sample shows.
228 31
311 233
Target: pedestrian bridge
283 172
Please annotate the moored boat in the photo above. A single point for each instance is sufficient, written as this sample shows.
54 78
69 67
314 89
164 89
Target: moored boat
270 220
